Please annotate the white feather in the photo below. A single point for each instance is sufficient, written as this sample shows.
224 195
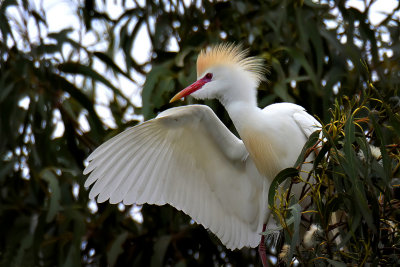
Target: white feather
174 159
188 158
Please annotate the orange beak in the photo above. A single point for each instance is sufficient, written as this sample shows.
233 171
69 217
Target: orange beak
190 89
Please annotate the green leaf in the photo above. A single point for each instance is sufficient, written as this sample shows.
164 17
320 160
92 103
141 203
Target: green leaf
46 49
317 45
355 223
348 160
6 168
72 258
281 90
77 219
362 203
7 3
55 194
349 165
180 57
312 140
336 263
322 153
81 98
296 214
5 91
387 165
160 248
129 13
110 63
116 248
77 68
299 57
63 34
181 263
38 17
278 228
280 178
26 243
4 20
394 119
150 88
165 89
364 166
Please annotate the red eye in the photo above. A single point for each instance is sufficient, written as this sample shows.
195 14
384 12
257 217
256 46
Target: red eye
208 76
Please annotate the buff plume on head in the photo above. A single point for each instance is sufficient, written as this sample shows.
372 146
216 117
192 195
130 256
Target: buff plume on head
221 66
231 54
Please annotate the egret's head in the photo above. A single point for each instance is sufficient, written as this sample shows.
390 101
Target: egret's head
221 68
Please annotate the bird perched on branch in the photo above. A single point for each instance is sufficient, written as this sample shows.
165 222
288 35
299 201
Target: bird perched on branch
186 156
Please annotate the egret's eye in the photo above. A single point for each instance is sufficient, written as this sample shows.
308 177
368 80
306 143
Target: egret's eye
208 76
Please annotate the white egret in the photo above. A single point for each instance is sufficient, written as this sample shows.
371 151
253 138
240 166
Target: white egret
186 156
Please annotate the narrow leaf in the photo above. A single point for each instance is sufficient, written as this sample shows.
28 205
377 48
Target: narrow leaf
348 148
296 214
312 140
110 63
281 177
336 263
77 68
116 248
55 194
354 225
160 248
385 157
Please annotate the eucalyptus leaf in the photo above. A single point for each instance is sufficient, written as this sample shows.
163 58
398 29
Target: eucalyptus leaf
54 193
336 263
385 158
160 248
280 178
312 140
116 248
295 211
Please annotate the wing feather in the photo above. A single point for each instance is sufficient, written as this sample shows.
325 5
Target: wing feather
146 164
119 139
110 147
119 176
115 171
114 164
151 192
140 161
185 157
158 196
306 122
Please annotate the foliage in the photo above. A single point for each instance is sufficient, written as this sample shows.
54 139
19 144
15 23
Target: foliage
316 52
353 216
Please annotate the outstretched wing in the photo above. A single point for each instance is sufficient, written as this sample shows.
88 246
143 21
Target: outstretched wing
185 157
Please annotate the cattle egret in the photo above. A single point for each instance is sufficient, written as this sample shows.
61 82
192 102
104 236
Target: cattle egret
187 157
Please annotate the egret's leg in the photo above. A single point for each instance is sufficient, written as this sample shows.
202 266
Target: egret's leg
262 250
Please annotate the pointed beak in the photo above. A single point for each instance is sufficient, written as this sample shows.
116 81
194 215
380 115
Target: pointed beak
190 89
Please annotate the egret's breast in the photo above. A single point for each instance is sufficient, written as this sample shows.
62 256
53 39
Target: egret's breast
265 153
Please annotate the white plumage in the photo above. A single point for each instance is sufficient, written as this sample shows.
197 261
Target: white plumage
186 156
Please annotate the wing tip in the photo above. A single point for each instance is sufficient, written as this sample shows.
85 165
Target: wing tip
92 194
103 198
86 171
89 182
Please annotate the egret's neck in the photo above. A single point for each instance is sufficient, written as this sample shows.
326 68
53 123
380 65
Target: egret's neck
252 126
241 103
243 113
254 130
